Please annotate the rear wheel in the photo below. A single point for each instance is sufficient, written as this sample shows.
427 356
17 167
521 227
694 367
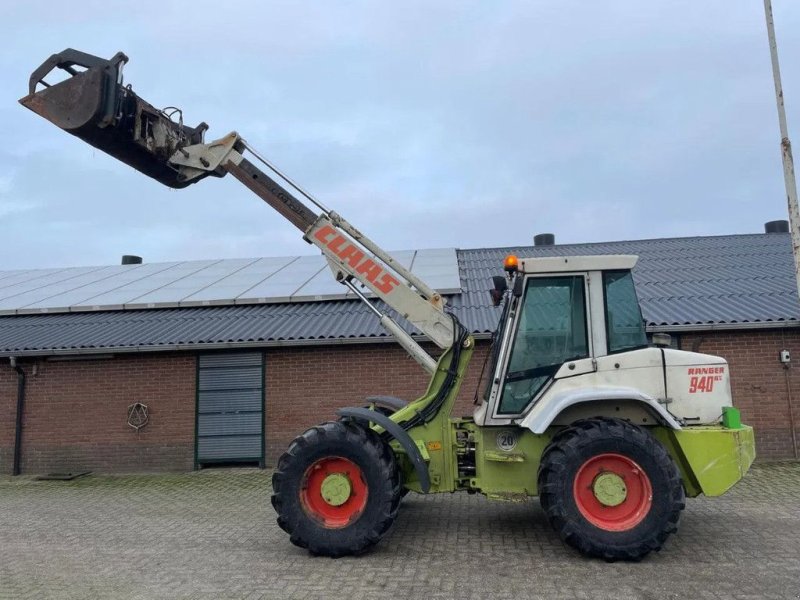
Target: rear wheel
336 489
610 489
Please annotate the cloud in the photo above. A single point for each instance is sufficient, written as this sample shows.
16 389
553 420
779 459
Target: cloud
425 124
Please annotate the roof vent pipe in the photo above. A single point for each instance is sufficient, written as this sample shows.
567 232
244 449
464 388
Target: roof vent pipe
544 239
131 259
776 227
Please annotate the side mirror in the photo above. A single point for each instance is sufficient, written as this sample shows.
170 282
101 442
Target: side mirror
500 287
517 291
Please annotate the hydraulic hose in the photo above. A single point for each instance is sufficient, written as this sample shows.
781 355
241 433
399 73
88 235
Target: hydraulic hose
430 411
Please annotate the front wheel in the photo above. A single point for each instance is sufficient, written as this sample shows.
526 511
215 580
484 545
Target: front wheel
610 489
336 489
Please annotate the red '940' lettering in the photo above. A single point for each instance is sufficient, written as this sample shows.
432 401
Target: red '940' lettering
701 384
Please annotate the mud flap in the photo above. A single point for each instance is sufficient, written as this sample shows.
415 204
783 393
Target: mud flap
398 433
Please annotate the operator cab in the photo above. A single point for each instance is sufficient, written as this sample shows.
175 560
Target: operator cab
559 315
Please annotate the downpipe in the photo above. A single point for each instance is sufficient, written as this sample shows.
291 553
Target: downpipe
21 378
791 410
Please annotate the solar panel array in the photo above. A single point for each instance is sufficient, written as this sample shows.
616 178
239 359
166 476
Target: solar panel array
201 283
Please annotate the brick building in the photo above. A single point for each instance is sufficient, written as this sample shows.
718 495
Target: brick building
234 380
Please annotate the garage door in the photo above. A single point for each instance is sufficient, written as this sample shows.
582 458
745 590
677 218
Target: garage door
230 408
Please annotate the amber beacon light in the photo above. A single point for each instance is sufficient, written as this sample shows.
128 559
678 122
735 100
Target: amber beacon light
510 264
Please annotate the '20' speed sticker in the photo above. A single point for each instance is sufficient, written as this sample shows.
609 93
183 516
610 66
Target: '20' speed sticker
506 440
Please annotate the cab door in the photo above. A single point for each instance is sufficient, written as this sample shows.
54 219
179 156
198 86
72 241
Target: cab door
552 328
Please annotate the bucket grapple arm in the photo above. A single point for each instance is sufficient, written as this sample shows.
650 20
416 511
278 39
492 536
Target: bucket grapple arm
93 104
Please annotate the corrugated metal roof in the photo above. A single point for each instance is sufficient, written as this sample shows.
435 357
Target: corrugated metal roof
733 279
702 282
172 327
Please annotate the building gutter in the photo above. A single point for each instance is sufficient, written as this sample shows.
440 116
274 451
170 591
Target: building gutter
723 326
18 420
200 346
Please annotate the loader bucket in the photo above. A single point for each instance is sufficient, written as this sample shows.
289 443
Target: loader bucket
93 104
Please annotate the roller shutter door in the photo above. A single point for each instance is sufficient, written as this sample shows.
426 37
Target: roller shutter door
230 408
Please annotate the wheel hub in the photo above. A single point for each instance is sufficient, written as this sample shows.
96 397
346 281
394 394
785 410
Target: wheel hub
609 489
333 492
612 492
336 489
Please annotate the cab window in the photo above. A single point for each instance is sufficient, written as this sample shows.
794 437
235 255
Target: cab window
551 331
624 324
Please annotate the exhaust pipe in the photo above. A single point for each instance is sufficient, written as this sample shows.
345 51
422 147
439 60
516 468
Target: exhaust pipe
94 105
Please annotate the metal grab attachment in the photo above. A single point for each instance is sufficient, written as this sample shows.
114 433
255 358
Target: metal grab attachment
86 105
93 104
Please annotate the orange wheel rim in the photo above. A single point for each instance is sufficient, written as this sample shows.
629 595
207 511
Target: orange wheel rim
333 492
612 492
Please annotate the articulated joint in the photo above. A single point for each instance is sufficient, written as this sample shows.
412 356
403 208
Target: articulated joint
199 159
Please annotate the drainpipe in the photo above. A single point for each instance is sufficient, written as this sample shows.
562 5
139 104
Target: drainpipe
20 407
791 412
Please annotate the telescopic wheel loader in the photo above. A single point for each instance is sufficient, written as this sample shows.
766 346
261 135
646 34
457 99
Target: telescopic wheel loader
610 432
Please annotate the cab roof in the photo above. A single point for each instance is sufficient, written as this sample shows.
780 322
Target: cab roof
568 264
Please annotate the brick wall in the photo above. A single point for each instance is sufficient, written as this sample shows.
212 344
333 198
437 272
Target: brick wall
305 386
76 412
759 381
75 416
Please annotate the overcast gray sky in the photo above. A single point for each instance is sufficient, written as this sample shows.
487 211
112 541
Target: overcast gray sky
426 124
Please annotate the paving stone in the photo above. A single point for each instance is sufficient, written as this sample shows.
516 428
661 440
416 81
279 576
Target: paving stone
212 535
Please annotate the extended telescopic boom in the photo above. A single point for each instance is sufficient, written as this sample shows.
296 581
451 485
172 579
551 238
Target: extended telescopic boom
94 105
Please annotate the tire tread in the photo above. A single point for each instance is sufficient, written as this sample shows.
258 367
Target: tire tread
292 465
561 455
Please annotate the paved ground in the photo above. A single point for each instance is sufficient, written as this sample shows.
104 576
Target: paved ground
212 535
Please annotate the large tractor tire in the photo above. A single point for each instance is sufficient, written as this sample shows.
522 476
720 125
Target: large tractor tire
336 489
610 489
